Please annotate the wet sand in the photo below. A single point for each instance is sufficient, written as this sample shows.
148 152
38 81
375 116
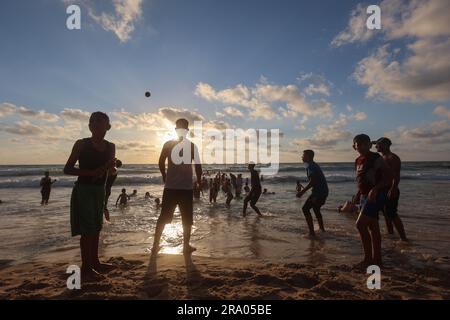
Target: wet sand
175 277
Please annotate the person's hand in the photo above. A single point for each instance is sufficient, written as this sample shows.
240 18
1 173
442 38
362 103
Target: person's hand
393 193
300 193
111 163
373 195
164 178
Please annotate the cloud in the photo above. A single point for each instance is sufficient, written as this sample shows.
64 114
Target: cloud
260 99
233 112
442 111
423 74
24 128
69 114
399 19
356 30
7 109
121 23
360 116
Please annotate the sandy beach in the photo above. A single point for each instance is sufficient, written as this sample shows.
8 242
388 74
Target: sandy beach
134 277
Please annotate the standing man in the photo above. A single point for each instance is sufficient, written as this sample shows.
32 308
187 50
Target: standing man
180 154
319 194
383 146
255 191
46 187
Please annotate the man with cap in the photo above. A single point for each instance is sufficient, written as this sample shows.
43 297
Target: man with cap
383 146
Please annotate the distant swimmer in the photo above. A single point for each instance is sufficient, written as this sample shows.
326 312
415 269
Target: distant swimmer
123 198
266 192
255 191
134 194
147 195
46 187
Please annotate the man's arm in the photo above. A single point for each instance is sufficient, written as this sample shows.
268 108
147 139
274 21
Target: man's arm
311 183
162 161
198 165
384 182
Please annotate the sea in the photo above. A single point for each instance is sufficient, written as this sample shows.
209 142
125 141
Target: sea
30 231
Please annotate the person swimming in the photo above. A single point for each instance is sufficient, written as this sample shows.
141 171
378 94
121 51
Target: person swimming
123 198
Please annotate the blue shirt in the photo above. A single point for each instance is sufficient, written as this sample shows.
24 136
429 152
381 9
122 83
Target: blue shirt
320 188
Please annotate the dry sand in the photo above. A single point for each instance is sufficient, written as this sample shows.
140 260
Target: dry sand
135 277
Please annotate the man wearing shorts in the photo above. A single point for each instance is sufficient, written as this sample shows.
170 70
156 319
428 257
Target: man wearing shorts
373 177
255 191
391 216
178 184
319 194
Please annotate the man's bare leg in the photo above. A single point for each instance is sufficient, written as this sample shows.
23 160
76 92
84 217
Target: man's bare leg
309 221
400 229
187 248
374 228
362 226
157 238
256 209
389 226
319 217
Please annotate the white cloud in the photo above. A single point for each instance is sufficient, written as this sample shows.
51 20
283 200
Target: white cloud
233 112
121 23
7 109
356 30
360 116
442 111
423 74
69 114
260 98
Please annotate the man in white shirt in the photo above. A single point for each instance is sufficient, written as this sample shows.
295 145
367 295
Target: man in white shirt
178 184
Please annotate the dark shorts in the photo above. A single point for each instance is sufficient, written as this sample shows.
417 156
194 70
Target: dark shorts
173 197
86 209
390 208
314 202
371 209
253 196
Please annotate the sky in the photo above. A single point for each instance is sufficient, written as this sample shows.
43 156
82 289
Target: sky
311 69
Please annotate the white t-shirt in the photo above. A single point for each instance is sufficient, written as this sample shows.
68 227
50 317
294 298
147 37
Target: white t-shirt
180 156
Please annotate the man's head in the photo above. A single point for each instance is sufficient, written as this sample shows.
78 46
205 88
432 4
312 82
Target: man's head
362 143
251 165
181 127
124 190
118 163
308 156
47 173
382 145
99 123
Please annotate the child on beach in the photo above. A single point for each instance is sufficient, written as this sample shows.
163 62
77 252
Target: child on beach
228 193
95 157
319 194
123 197
46 187
373 178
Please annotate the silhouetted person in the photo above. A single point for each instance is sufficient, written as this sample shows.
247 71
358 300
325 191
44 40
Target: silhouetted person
180 154
373 178
95 157
255 191
390 210
46 187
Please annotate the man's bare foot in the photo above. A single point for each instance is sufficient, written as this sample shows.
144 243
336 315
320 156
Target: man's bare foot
362 265
90 275
189 249
103 267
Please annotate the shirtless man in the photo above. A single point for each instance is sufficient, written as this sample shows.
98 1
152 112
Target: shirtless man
383 146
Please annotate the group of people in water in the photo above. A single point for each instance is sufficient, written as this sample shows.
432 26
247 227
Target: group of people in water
377 179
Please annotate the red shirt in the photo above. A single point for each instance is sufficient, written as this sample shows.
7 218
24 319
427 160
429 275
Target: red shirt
368 171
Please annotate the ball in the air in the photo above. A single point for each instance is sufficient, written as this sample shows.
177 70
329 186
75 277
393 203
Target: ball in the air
147 94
